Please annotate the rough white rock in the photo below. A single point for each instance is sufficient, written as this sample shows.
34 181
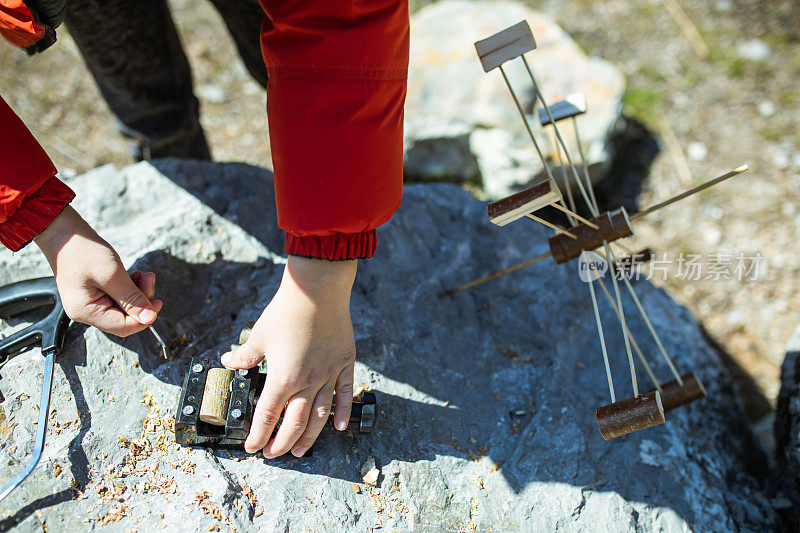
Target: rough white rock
486 399
449 92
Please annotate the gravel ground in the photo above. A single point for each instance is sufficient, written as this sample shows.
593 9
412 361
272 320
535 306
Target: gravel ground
691 119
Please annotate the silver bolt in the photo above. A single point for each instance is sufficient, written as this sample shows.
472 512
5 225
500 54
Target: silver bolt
197 368
188 410
243 372
236 413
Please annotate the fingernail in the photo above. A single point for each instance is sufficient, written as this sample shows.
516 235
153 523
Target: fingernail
226 358
269 455
299 452
341 425
250 450
147 315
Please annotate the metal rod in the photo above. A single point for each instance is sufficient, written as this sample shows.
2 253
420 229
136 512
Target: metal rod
583 164
558 135
566 183
525 120
576 215
635 345
160 341
41 428
690 192
646 318
496 275
551 225
624 327
602 342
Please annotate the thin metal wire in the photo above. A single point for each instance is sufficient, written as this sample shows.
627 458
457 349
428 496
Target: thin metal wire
635 345
566 180
495 275
624 325
646 318
576 215
556 227
690 192
602 341
525 120
558 135
583 164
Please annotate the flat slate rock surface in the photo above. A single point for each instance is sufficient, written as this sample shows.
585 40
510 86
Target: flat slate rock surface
486 398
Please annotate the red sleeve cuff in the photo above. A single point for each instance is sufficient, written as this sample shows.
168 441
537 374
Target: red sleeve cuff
35 214
337 247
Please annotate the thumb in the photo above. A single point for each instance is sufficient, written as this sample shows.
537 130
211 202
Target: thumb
245 356
129 298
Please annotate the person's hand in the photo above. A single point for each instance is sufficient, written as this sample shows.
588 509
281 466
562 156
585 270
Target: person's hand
306 335
95 289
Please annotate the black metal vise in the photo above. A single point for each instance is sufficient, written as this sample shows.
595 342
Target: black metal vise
246 387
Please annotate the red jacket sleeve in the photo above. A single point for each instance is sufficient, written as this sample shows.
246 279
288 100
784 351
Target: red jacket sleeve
30 194
18 25
337 85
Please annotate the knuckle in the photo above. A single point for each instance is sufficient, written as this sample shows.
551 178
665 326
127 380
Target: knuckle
265 417
345 388
348 358
295 425
323 411
131 300
287 381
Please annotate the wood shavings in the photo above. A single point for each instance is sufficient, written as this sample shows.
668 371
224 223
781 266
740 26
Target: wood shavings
117 513
56 470
202 500
251 496
356 488
362 387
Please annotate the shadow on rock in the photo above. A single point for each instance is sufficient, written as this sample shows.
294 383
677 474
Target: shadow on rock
241 193
205 308
636 148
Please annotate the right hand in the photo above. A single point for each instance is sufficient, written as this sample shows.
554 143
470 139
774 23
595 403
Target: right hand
95 289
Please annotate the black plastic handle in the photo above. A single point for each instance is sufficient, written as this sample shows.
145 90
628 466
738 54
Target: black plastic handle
50 331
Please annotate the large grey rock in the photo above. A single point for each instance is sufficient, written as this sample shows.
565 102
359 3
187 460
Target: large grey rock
448 373
454 108
787 422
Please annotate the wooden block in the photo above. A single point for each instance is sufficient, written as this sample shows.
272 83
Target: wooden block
507 44
572 105
216 395
511 208
645 255
673 395
629 415
245 333
613 225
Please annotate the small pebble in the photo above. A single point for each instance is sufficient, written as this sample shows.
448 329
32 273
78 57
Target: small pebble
766 108
697 151
754 49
